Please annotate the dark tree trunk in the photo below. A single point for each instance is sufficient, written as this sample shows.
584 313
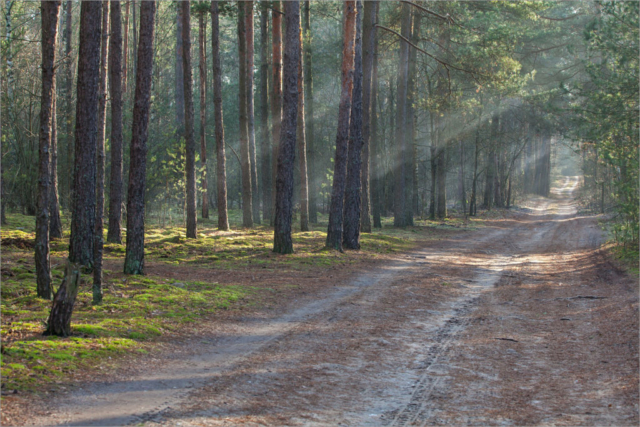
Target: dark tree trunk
441 171
115 88
134 259
245 155
67 119
473 203
334 231
376 157
368 45
59 322
312 150
286 153
353 196
251 127
179 72
55 224
400 172
265 163
462 191
302 146
102 124
49 17
434 177
125 48
202 37
83 217
411 178
276 100
221 169
190 142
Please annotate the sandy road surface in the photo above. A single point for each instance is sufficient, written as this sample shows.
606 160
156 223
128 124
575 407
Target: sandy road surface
521 323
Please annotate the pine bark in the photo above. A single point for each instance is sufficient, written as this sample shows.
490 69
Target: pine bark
134 258
49 16
179 72
125 48
461 190
376 141
202 25
190 142
282 242
83 216
100 157
59 322
353 196
55 224
251 126
335 228
265 149
276 95
368 44
411 193
302 146
245 156
67 88
116 70
221 172
312 150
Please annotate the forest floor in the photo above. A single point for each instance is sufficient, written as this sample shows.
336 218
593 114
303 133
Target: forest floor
520 318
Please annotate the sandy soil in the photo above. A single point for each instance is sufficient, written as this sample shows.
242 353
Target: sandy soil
524 322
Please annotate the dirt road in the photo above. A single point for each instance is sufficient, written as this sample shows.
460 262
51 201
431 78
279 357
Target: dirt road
524 322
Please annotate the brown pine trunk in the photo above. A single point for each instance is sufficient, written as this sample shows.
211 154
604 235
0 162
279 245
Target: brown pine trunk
102 122
134 258
462 191
125 49
276 96
287 150
179 73
302 146
190 142
352 196
67 119
376 142
411 179
203 113
368 44
312 151
251 126
83 216
55 224
334 231
245 156
265 163
221 172
49 18
116 71
59 322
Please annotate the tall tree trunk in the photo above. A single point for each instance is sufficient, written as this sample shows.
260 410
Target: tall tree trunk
221 170
368 44
116 71
134 258
245 155
55 224
286 153
83 217
312 150
473 203
265 149
179 72
411 178
461 190
376 142
433 158
302 146
49 17
399 214
67 88
353 196
190 142
251 127
276 100
203 112
125 49
334 231
102 124
441 171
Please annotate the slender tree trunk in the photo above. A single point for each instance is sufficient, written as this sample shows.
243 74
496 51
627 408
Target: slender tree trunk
245 155
434 177
251 127
134 259
353 196
462 191
376 142
312 150
59 322
203 113
179 72
49 17
67 119
302 147
368 44
473 202
442 177
190 142
55 224
334 231
276 100
399 214
102 123
411 178
265 149
221 170
115 87
83 218
286 154
125 49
